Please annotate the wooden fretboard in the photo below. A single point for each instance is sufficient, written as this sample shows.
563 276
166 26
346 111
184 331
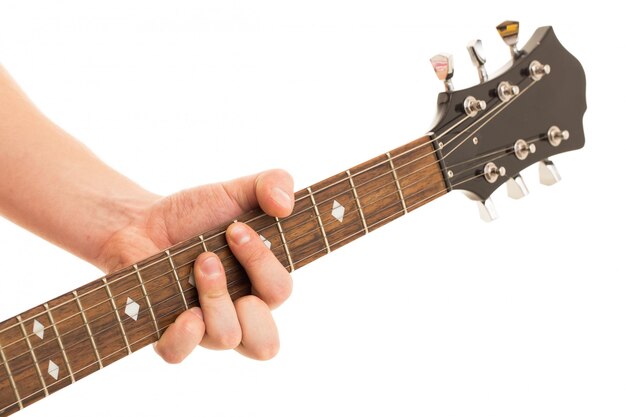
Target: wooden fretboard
59 342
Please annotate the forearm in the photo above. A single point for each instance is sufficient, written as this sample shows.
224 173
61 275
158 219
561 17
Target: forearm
53 185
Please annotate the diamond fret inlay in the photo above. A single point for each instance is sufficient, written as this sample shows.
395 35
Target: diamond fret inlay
192 279
53 370
266 242
338 210
38 329
132 309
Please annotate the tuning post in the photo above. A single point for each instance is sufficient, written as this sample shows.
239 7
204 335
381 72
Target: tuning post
522 149
492 172
443 64
506 91
473 106
508 31
537 70
475 49
556 135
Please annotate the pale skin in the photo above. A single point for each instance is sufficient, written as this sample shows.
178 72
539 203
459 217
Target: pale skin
52 185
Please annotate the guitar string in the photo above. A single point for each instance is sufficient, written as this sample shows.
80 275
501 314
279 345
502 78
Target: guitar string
238 282
431 141
175 311
169 271
70 347
222 247
328 186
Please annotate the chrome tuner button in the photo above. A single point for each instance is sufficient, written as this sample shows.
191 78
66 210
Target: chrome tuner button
473 106
556 135
522 149
475 49
506 91
548 174
492 172
487 210
516 187
537 70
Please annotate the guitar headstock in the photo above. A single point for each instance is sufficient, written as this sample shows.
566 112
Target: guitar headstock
529 111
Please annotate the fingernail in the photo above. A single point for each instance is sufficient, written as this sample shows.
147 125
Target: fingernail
197 312
239 233
210 267
281 197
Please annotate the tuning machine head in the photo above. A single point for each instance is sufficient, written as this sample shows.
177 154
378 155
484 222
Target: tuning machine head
509 31
443 64
477 55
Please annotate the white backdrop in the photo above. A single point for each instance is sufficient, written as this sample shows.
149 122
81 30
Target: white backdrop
438 313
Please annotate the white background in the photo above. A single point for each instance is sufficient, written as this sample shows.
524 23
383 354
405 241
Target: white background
436 314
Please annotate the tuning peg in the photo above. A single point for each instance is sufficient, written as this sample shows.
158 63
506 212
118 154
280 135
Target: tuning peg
443 64
516 187
508 31
548 174
475 49
487 210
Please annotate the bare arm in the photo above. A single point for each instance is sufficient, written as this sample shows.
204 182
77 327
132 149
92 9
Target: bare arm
54 186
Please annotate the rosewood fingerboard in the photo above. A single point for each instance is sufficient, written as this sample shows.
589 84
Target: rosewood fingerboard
59 342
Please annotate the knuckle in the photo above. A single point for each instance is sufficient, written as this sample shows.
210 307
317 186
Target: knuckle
228 340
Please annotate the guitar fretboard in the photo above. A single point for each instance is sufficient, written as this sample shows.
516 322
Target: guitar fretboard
59 342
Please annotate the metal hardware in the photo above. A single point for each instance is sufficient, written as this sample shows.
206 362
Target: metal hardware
516 187
506 91
472 106
492 172
443 64
556 135
508 31
522 149
537 70
548 174
487 210
475 49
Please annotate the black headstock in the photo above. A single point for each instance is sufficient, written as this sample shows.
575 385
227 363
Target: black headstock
533 109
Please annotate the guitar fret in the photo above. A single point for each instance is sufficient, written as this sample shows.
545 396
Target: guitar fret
395 178
32 354
284 241
358 202
117 313
180 288
319 219
58 336
93 342
11 379
145 294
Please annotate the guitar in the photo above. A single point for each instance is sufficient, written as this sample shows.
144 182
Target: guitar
483 136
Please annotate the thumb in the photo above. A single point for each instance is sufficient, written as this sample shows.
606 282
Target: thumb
196 210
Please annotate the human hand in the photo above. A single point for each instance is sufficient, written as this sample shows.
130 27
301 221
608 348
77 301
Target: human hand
245 325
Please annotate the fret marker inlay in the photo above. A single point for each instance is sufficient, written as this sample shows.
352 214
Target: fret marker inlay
266 242
53 370
132 309
338 211
192 278
38 329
